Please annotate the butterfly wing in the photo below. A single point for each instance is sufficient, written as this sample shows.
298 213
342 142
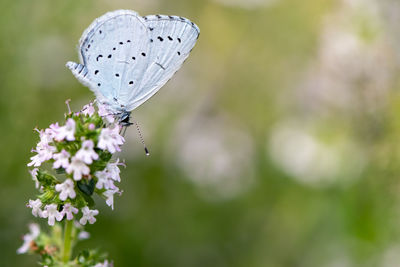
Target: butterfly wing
126 59
113 52
171 39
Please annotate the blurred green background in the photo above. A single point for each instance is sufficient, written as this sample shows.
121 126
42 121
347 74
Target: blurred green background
277 143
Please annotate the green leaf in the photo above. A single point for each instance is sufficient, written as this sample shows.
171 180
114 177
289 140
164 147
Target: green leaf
89 200
46 179
48 196
60 170
86 186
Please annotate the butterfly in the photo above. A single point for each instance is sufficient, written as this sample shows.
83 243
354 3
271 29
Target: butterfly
125 58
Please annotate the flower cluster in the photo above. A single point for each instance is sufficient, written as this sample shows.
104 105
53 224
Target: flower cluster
81 149
80 154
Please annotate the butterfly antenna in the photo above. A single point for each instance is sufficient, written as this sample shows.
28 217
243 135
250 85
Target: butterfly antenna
141 138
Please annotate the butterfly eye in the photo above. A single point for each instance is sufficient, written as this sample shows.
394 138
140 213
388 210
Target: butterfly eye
131 82
144 54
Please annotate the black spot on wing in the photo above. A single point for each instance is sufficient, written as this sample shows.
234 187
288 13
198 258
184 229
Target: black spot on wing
80 69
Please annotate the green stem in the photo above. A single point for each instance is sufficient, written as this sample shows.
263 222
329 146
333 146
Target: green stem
67 241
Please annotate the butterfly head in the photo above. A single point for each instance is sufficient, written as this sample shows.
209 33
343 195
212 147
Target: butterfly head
124 118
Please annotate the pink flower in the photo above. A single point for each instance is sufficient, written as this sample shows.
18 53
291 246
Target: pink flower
78 167
36 206
103 112
113 170
67 189
35 161
86 153
88 215
106 177
44 152
53 129
83 235
34 173
104 264
68 210
45 138
34 232
103 180
110 139
88 110
66 132
61 159
109 194
52 214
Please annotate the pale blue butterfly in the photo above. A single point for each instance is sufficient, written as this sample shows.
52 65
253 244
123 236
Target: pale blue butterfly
126 58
